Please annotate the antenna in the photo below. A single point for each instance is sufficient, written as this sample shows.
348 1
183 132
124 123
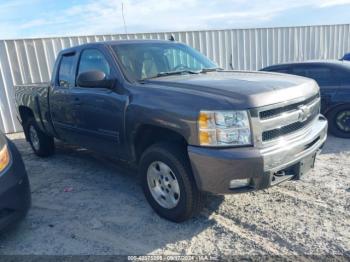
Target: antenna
126 31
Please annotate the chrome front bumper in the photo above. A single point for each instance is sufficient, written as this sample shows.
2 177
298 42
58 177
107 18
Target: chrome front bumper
292 150
215 168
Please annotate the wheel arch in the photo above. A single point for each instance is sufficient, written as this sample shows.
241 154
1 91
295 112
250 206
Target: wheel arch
148 134
25 114
334 127
334 107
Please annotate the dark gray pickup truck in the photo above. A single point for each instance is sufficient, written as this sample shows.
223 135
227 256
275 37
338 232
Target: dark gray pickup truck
189 126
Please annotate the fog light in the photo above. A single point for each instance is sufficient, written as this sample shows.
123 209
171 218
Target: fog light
239 183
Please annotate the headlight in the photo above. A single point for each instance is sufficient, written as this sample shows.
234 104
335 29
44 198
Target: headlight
4 158
224 128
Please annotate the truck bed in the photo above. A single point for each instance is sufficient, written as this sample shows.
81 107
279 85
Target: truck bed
35 97
25 90
41 84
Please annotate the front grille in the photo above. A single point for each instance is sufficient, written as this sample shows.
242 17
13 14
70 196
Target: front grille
277 111
296 116
285 130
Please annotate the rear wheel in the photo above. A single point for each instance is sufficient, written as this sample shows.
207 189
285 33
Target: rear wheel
42 144
168 183
339 121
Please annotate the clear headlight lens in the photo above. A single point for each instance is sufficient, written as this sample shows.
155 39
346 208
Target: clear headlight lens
4 158
224 128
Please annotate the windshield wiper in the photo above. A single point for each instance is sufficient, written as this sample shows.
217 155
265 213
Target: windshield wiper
202 71
172 73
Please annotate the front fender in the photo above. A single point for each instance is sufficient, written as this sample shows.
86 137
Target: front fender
181 123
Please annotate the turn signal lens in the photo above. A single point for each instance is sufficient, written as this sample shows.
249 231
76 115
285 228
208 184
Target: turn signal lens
206 120
4 158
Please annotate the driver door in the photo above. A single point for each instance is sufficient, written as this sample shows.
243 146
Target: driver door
100 109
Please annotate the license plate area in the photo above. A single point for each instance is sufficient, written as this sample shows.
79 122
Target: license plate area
306 164
295 171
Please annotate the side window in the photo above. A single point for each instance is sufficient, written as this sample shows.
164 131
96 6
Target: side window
93 60
66 71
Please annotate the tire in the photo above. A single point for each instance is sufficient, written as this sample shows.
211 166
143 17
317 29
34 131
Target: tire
42 144
188 201
339 121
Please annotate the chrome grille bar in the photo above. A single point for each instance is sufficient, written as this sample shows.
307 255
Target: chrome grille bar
287 108
293 121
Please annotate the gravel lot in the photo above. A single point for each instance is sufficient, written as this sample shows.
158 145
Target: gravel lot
83 204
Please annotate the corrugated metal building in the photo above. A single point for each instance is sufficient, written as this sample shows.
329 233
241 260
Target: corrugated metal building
31 60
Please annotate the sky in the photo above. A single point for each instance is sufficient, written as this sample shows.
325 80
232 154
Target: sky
45 18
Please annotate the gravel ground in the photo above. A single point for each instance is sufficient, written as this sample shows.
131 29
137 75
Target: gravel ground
83 204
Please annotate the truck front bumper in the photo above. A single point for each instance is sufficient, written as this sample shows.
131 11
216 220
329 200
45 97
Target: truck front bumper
215 168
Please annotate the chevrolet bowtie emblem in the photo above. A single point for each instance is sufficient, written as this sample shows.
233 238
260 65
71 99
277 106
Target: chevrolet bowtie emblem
304 113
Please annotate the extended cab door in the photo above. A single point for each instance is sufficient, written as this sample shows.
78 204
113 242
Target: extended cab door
100 110
62 109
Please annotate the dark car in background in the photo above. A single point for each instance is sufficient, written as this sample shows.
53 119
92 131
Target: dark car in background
346 57
333 77
15 197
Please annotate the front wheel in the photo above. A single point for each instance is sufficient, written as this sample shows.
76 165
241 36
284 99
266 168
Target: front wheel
168 183
42 144
339 121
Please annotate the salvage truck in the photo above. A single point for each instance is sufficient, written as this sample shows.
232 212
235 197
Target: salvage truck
189 126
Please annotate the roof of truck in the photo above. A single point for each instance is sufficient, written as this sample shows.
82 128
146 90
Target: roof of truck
136 41
118 42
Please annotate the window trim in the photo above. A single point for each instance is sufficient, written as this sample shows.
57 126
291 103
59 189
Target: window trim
57 81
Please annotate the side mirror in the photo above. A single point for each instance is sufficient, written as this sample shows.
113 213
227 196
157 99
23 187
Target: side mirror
93 79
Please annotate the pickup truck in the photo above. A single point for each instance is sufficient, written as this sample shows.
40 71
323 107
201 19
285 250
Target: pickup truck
189 126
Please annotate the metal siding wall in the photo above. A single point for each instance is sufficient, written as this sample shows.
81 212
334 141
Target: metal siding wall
31 60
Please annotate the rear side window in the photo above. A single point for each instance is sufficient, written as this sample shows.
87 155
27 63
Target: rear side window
66 71
93 60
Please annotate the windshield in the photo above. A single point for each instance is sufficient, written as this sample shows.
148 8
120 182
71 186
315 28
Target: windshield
146 60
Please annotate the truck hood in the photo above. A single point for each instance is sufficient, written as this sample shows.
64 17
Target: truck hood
249 89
